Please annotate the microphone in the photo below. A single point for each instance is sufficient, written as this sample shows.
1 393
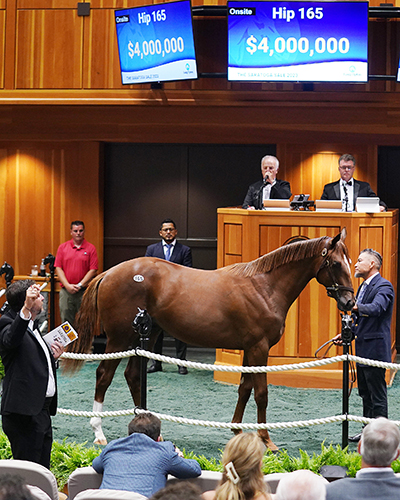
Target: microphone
346 198
266 179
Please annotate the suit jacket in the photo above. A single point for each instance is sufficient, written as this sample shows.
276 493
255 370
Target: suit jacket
26 369
362 189
372 322
281 190
181 254
140 464
369 486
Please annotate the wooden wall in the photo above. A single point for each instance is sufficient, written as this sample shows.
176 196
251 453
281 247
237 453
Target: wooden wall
45 186
61 99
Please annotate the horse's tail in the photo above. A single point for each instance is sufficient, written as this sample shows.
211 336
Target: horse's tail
87 324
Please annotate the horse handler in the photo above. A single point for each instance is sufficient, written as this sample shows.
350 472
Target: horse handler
29 385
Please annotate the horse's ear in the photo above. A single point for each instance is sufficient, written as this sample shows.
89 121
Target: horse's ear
341 236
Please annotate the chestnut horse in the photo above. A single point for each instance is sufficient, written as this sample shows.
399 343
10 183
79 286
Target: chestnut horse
242 306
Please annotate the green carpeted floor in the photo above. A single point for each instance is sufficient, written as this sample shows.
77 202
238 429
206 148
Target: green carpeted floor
197 396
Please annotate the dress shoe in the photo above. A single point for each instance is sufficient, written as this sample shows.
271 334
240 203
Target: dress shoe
356 438
155 367
182 370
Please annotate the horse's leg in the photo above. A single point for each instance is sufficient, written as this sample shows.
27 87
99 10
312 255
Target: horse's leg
258 357
104 375
244 392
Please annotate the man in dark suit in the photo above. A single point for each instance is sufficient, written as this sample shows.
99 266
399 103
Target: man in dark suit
29 385
371 329
169 249
269 188
379 447
348 189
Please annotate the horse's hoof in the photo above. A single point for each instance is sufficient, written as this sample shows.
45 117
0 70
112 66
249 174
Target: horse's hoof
100 441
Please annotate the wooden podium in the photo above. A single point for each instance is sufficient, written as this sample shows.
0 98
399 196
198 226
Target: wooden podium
313 319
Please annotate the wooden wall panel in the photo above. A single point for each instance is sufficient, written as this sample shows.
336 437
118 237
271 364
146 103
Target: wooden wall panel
101 68
2 41
49 49
43 188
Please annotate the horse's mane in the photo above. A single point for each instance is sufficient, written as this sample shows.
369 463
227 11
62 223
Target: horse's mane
293 252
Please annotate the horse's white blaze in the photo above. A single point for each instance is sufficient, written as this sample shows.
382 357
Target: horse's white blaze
347 263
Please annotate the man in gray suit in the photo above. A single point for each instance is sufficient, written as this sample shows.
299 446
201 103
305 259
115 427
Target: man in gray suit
378 447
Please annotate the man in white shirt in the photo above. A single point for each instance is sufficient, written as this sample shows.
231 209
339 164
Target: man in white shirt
29 385
347 189
269 188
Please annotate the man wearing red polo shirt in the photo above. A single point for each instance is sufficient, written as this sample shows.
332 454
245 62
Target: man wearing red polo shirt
76 265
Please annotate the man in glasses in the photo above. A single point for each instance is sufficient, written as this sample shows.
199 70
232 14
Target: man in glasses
169 249
347 189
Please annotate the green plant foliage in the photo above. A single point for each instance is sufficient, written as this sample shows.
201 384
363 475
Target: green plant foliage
66 457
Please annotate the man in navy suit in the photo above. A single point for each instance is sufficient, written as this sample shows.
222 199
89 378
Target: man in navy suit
371 329
29 386
348 189
379 447
269 188
169 249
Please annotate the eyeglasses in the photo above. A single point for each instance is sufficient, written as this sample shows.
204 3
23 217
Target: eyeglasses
346 168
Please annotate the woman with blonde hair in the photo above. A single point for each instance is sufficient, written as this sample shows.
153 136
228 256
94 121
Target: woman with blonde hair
242 478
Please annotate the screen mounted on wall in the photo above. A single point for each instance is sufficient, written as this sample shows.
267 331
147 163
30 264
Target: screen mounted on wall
298 41
156 43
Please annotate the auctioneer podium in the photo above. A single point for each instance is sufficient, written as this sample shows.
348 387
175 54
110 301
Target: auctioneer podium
313 319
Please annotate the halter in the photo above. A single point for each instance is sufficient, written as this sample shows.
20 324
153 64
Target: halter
335 288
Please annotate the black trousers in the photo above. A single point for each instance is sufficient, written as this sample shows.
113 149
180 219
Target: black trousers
30 436
180 346
373 391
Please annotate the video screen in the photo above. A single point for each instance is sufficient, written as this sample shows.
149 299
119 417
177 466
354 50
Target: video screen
298 41
155 43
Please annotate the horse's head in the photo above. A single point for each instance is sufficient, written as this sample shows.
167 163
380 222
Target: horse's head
335 273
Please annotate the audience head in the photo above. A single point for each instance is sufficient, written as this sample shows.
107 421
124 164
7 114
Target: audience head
146 423
242 477
301 485
270 166
178 490
16 294
13 488
379 444
347 164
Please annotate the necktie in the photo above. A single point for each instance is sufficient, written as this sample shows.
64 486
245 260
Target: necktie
362 293
168 252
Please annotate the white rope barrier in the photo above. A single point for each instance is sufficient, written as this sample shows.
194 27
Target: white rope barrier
213 367
220 425
229 368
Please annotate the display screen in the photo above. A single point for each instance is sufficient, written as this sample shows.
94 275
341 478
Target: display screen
156 43
398 72
298 41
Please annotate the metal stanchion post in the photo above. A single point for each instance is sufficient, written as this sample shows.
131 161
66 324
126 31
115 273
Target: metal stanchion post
142 324
346 339
50 259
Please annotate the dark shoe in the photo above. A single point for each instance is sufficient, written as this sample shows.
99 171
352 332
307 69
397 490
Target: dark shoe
155 367
182 370
355 439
